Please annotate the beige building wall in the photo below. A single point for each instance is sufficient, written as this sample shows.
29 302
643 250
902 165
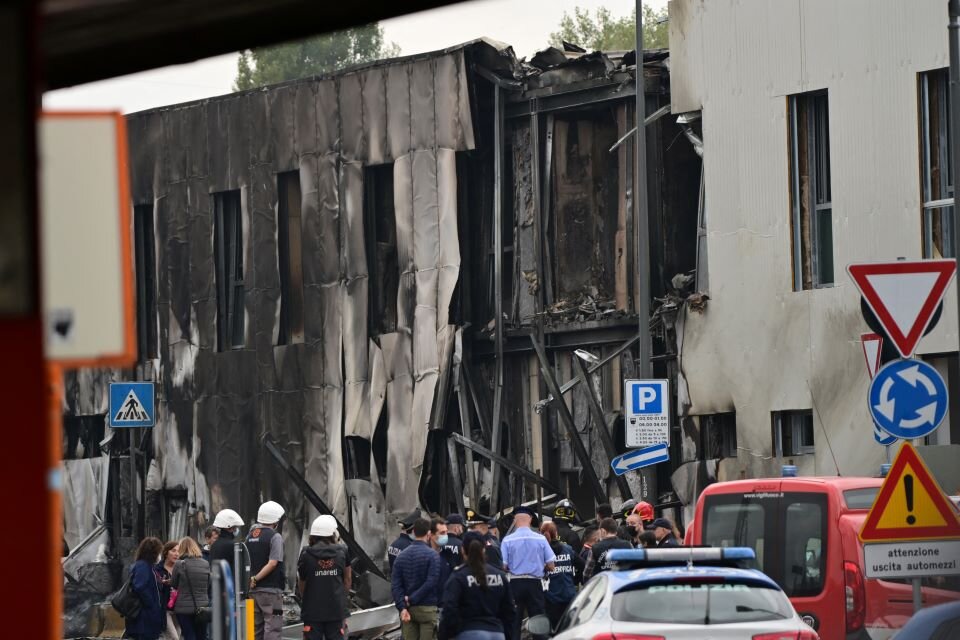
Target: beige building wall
760 346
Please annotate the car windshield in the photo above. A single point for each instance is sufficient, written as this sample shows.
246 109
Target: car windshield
860 498
723 603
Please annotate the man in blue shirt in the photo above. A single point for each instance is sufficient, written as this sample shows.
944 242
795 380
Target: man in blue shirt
416 574
527 558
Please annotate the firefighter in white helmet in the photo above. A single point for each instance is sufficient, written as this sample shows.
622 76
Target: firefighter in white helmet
324 580
227 523
267 575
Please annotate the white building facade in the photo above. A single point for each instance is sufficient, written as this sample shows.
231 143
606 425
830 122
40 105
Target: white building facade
824 143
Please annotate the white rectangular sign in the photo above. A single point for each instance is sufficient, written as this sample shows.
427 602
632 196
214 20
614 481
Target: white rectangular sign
912 559
646 410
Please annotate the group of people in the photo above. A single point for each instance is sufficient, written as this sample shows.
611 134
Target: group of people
479 587
451 577
172 580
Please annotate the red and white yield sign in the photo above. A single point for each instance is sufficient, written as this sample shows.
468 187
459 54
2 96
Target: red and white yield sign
904 296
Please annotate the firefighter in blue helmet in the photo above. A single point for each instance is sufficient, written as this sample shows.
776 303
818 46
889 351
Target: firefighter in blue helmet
477 604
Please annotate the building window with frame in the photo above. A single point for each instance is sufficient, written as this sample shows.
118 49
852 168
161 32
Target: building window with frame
811 200
383 266
718 435
792 433
935 166
145 254
289 258
228 257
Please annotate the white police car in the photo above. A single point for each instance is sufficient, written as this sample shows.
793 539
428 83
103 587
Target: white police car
682 593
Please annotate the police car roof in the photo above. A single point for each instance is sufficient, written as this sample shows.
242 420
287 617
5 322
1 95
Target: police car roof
741 557
639 578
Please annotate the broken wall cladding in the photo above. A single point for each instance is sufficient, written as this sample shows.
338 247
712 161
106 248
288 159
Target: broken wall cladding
413 112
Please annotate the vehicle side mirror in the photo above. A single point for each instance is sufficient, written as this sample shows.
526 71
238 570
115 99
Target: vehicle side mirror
538 625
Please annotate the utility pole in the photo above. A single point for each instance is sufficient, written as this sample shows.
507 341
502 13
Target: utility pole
642 225
953 34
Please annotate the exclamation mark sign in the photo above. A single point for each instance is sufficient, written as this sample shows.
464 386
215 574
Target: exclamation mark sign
908 489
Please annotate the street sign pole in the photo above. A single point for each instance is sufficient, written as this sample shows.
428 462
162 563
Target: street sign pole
917 595
953 31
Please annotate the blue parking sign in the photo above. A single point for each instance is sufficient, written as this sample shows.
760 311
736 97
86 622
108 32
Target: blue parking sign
646 412
131 404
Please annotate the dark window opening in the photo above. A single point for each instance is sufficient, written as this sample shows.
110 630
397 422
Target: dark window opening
228 256
812 218
84 435
936 167
146 271
383 266
357 458
792 433
289 257
718 436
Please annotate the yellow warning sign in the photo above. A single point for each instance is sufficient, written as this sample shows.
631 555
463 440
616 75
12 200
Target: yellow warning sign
910 504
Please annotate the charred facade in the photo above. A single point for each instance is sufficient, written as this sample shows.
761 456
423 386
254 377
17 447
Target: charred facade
387 273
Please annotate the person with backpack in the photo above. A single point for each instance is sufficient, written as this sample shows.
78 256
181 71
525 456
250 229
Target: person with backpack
150 621
191 578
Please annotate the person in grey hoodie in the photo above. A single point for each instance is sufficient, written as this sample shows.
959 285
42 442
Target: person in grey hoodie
191 575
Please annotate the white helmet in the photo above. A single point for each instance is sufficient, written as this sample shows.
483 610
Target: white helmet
227 519
269 513
323 527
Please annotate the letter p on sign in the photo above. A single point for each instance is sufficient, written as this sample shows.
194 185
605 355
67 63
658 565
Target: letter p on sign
646 399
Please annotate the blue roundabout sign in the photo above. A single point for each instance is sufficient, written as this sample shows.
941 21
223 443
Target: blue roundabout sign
908 399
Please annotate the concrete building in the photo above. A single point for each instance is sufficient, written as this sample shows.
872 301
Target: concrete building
824 143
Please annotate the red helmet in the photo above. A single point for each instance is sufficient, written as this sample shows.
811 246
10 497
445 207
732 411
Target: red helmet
644 510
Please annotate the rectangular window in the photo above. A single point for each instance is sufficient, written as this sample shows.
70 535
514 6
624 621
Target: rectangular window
228 256
289 258
812 211
792 433
718 436
936 168
146 271
383 267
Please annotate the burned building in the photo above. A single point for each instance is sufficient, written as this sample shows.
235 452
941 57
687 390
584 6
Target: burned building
381 279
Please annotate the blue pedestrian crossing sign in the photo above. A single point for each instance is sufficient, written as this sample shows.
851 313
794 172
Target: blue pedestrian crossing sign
908 399
646 410
131 404
639 458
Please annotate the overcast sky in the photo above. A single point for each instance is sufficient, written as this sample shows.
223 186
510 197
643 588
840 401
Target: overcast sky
525 24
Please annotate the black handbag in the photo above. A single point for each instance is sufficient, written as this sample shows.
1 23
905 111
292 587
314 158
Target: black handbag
126 601
200 614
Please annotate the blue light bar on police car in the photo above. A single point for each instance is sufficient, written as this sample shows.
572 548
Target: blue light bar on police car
680 554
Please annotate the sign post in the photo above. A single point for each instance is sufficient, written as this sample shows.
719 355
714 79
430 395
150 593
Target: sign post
912 530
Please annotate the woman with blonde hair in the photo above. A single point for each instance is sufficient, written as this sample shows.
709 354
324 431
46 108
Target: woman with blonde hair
191 576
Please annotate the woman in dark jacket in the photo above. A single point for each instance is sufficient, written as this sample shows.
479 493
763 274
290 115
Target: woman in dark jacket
191 576
563 578
150 622
477 604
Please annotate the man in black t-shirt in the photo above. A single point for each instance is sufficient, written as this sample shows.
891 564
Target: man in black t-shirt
597 561
324 579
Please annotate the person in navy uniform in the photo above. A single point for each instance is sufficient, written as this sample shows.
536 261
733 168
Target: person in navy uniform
563 579
564 517
324 579
404 539
451 549
481 524
477 603
527 559
663 530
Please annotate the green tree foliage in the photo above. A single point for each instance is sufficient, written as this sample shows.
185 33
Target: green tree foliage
601 31
314 56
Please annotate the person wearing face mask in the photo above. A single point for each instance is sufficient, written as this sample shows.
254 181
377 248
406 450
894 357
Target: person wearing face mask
227 523
634 528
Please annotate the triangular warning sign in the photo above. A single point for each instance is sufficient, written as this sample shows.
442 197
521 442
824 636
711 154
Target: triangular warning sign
903 296
910 505
131 410
872 348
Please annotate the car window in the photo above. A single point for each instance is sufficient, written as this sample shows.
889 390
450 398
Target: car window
736 524
948 630
584 602
860 498
723 603
803 549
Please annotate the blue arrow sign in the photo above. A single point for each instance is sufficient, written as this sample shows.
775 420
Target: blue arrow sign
131 404
908 399
881 437
639 458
